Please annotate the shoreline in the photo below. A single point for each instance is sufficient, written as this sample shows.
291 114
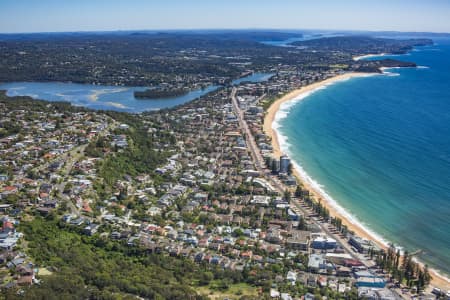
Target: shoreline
356 58
335 209
269 122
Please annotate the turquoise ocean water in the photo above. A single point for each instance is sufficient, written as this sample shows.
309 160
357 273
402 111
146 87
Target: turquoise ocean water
379 146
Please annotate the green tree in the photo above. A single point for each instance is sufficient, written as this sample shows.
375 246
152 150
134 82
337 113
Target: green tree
206 278
287 195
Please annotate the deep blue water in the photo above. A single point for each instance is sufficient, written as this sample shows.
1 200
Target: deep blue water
380 147
108 97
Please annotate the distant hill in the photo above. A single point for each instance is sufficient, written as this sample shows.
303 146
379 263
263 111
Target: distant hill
363 44
240 35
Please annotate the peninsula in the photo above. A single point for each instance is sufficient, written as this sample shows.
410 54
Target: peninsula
159 93
195 201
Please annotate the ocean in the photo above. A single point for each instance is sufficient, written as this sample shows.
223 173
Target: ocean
379 147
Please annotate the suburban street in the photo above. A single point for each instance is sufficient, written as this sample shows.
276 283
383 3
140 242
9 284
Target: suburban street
296 207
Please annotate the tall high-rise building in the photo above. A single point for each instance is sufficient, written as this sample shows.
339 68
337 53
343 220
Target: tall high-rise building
284 163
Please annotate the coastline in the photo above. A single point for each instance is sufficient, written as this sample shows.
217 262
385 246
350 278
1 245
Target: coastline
356 58
359 229
269 120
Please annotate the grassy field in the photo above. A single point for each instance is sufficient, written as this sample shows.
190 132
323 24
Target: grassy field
234 291
44 272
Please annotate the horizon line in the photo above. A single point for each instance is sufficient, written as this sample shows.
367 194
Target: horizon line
222 29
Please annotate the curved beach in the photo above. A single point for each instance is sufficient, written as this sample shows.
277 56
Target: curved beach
368 56
334 208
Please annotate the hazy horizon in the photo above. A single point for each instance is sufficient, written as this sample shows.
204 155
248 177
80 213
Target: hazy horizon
27 16
168 30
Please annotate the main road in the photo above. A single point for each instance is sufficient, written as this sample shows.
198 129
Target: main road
251 144
295 204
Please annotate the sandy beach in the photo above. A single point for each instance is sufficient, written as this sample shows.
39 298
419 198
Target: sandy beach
97 93
357 228
368 56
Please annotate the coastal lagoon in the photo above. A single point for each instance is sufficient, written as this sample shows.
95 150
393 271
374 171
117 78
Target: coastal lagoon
255 77
379 147
96 96
109 97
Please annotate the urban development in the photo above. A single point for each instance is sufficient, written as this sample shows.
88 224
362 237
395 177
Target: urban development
195 201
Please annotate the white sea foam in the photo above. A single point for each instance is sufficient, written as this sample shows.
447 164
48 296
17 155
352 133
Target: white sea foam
439 273
18 88
390 73
285 107
321 190
285 146
284 110
387 73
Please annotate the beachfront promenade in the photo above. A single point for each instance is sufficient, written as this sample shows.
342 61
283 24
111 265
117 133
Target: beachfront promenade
298 205
280 187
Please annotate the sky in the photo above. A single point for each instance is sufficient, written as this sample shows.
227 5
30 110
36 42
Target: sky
107 15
